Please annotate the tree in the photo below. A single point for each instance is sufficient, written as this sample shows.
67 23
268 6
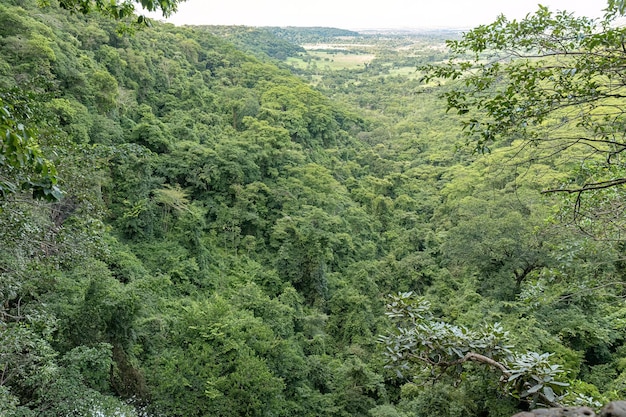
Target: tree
498 241
555 83
118 9
23 165
219 364
419 341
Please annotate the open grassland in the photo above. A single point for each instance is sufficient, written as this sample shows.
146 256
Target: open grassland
409 72
326 60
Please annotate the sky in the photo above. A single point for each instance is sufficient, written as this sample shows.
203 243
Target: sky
369 14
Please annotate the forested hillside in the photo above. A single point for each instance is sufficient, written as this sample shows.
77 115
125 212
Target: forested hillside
194 222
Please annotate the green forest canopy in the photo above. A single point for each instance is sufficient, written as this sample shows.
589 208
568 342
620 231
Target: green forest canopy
228 232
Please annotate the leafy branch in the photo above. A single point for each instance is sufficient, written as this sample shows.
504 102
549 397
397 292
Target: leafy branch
118 9
419 339
23 165
554 83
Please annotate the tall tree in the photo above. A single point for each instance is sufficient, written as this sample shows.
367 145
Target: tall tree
553 85
118 9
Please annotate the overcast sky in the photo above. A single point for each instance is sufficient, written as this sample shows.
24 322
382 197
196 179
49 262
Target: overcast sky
364 14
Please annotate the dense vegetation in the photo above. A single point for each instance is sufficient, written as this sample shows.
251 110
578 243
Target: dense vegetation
190 227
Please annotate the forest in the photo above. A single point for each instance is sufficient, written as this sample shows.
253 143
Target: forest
236 221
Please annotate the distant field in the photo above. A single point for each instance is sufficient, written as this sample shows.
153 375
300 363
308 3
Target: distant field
314 46
409 72
394 55
332 60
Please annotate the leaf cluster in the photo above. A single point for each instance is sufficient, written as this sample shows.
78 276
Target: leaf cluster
23 165
420 339
117 9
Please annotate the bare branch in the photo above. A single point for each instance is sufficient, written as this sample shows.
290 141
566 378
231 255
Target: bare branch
587 187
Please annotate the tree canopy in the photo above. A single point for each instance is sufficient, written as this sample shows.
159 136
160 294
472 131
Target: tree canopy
554 83
232 224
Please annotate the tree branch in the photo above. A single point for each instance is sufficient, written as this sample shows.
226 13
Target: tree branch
476 357
587 187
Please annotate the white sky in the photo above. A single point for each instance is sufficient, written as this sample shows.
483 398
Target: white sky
369 14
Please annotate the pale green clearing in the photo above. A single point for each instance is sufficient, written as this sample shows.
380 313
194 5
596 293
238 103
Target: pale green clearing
332 60
409 72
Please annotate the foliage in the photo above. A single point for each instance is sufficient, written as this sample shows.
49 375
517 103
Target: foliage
23 166
419 339
118 9
229 228
261 42
553 81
